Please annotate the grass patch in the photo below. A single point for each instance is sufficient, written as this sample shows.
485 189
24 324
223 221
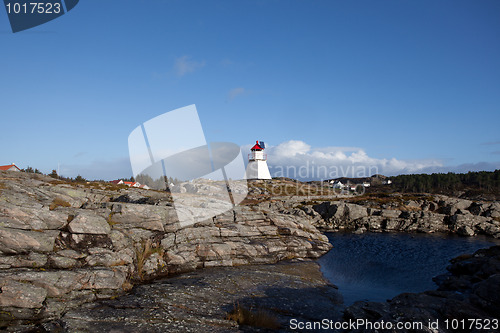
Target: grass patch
58 202
57 182
142 253
253 317
284 187
251 201
95 185
383 198
112 187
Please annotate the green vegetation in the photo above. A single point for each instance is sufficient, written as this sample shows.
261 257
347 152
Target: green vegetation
448 182
54 174
31 170
287 188
161 183
396 200
80 179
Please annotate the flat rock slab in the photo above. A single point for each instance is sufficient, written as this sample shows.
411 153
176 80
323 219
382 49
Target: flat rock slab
199 301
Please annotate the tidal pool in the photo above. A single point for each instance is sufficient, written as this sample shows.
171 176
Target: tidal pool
379 266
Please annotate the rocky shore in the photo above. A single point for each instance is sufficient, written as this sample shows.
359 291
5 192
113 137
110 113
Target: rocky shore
274 298
404 213
70 249
63 245
250 298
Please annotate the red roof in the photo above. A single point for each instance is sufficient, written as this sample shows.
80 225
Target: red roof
257 147
7 167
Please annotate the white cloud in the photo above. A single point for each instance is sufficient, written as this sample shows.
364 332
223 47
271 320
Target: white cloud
233 93
185 65
297 159
291 149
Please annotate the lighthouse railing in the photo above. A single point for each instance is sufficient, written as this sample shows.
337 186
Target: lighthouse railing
251 156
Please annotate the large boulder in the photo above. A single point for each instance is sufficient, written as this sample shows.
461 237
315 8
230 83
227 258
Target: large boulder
355 212
89 223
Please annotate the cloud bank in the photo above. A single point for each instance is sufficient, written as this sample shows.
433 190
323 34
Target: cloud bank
297 159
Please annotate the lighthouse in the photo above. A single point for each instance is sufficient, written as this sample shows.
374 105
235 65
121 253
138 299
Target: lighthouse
257 165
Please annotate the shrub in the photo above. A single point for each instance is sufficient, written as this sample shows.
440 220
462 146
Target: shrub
31 170
80 179
58 202
142 253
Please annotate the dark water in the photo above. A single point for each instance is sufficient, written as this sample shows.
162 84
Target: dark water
379 266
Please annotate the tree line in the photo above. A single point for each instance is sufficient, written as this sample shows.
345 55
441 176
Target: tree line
159 183
488 181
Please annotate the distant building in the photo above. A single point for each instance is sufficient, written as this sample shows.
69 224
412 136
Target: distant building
130 184
337 184
387 182
366 184
11 167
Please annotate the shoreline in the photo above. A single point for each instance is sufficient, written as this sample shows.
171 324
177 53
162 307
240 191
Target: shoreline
65 246
215 299
291 291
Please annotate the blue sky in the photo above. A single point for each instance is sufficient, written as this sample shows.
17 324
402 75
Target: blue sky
412 86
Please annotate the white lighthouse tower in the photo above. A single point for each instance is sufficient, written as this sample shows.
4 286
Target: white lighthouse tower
257 165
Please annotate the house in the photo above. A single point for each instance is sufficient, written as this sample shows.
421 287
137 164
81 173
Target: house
366 184
130 184
337 184
10 167
387 182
